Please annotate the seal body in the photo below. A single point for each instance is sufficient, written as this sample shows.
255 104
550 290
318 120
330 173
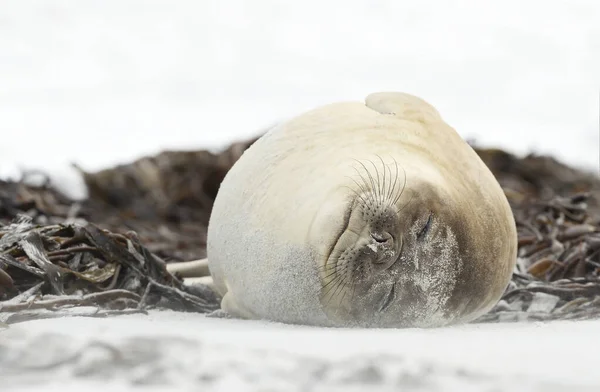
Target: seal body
374 214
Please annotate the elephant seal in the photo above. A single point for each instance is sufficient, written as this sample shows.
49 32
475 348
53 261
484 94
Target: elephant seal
374 214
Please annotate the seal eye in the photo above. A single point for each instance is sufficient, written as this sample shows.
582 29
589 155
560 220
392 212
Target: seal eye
425 228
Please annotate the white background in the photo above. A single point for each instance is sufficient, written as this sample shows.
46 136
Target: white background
104 82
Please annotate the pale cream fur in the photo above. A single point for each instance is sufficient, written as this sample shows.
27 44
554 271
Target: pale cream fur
278 206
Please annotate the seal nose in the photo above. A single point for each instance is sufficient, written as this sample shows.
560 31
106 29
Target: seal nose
383 247
381 238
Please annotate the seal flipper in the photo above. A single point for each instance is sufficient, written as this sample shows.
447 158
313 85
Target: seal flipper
190 269
229 306
202 280
220 313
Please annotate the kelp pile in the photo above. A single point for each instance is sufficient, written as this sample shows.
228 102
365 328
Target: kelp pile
106 254
557 212
50 269
558 265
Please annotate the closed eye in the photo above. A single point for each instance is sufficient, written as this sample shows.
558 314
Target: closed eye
425 228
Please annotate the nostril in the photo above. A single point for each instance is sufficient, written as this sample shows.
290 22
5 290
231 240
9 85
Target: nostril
381 238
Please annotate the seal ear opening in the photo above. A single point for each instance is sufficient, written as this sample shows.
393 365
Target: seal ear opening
403 105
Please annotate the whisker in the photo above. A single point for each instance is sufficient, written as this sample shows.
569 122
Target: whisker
395 178
406 205
331 274
342 270
383 166
370 176
403 187
386 186
362 199
365 189
328 284
361 187
329 271
378 189
337 281
342 285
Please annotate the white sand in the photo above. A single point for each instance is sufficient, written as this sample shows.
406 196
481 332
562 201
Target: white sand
181 351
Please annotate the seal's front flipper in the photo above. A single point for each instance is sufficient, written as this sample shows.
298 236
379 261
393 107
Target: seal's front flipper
190 269
203 280
230 306
220 313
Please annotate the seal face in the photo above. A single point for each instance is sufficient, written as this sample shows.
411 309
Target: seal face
393 263
375 215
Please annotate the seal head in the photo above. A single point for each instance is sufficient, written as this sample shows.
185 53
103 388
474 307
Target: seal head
395 259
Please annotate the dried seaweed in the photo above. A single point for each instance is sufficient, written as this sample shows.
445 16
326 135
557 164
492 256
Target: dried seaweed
558 265
62 266
106 255
166 199
557 212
